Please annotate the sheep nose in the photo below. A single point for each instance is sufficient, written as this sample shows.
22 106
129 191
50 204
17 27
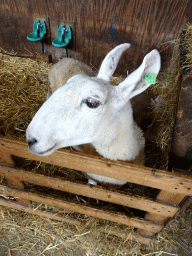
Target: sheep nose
32 142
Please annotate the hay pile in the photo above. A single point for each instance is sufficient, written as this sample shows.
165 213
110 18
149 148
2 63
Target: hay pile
186 42
166 91
26 234
23 89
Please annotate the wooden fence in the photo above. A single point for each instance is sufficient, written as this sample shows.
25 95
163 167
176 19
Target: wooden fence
175 189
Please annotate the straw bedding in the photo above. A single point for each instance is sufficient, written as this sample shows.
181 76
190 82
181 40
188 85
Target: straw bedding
23 89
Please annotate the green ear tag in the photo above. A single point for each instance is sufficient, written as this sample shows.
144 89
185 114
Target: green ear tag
150 78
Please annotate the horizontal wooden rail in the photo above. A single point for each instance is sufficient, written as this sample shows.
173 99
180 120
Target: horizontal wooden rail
54 216
58 217
96 192
106 215
7 158
159 179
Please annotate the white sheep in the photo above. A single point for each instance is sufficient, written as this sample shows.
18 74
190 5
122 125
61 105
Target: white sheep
90 110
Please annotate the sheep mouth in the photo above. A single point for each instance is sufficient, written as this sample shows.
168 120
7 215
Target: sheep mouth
47 151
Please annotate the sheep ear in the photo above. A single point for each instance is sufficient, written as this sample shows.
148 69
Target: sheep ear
139 80
110 62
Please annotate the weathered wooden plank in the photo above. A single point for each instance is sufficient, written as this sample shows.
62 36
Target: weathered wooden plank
183 205
132 201
100 25
59 217
111 216
164 196
174 183
45 214
182 136
6 158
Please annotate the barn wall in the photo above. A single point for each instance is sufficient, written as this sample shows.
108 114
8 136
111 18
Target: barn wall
99 26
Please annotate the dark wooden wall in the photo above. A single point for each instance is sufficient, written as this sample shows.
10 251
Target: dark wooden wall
99 26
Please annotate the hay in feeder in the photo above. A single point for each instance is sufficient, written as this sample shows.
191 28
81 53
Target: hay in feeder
186 43
23 89
166 91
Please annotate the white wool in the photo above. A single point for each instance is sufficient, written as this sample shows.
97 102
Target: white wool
126 138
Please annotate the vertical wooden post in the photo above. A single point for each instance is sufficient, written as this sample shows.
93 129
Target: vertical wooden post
6 158
163 196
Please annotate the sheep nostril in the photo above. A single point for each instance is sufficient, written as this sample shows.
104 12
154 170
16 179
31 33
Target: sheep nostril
32 142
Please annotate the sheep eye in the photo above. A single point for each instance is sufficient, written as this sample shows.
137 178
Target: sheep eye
92 103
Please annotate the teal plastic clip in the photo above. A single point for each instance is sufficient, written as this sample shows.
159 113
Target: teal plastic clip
39 30
64 36
150 78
